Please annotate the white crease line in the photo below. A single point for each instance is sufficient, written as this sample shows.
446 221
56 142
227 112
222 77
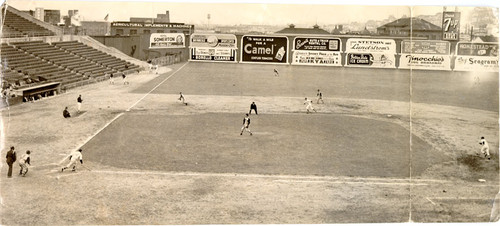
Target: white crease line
159 84
433 203
38 166
351 182
279 178
463 198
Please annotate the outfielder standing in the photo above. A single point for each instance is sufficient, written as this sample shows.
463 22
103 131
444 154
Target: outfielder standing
73 157
246 124
309 106
24 162
485 149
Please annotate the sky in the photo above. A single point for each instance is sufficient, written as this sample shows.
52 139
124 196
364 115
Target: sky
228 12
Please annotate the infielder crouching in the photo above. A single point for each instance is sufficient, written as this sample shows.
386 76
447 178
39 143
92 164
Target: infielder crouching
73 158
24 162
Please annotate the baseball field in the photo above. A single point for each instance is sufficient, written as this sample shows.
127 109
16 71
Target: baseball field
385 146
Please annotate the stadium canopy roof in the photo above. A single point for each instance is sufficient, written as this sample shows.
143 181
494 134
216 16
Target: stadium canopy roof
308 31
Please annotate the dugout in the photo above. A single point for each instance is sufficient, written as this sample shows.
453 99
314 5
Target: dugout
38 91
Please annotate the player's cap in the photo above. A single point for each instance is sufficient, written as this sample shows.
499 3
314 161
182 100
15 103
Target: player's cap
80 150
12 148
28 152
482 137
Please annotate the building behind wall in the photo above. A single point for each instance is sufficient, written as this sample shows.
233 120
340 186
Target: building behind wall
418 27
134 37
50 16
95 28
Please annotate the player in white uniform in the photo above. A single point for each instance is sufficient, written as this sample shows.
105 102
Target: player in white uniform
246 124
485 149
181 98
309 106
73 157
24 162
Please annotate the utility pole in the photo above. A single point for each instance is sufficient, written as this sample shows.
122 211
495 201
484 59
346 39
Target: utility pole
208 21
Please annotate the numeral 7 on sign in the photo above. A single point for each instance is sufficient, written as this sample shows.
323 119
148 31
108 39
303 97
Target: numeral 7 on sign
449 22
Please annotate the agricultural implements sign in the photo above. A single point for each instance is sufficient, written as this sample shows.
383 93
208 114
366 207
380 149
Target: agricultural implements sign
264 49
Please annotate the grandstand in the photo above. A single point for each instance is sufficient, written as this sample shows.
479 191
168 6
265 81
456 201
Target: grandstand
37 60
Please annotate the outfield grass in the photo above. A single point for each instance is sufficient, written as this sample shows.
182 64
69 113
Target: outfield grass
433 87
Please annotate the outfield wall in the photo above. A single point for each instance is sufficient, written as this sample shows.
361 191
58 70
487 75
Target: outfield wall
316 50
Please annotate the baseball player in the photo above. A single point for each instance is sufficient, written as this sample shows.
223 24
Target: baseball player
79 101
320 97
309 106
24 162
253 106
111 78
73 157
181 98
246 124
485 149
125 81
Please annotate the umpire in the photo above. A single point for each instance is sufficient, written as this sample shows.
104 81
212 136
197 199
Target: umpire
11 158
253 106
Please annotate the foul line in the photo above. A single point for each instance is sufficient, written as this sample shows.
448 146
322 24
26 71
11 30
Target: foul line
128 109
290 178
159 84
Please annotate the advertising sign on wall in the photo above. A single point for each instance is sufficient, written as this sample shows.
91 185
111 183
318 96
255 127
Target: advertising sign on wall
317 51
451 26
264 49
477 49
213 47
425 47
476 57
379 60
167 40
213 54
357 45
378 53
425 55
425 61
213 40
476 63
